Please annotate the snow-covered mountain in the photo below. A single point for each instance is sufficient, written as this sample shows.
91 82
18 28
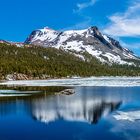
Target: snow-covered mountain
18 44
91 41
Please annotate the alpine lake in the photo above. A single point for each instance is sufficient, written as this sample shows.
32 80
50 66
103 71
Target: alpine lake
69 112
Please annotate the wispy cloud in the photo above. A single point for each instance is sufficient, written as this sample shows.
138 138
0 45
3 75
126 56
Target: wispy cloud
125 24
81 25
87 20
81 6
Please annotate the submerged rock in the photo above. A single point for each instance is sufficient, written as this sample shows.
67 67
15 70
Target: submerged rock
66 92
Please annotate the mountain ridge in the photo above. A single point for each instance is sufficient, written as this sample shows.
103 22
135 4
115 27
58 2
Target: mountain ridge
91 41
82 43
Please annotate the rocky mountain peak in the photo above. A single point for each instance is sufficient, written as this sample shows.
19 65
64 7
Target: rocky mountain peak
91 41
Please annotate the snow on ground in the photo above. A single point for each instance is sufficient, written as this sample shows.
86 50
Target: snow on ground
93 81
74 40
80 47
116 59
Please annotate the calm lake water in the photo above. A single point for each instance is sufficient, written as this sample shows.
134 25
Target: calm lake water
90 113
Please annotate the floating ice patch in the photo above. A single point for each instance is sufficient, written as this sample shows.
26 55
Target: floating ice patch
16 91
10 93
129 116
13 95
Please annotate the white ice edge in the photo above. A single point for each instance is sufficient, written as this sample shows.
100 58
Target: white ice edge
131 116
14 95
16 91
92 81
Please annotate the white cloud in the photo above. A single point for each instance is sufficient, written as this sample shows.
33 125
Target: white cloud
81 6
87 20
125 24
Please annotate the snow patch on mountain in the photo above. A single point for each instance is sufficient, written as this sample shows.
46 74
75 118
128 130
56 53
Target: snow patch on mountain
44 34
91 41
107 38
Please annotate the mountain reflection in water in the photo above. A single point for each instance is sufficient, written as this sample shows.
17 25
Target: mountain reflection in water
74 108
83 106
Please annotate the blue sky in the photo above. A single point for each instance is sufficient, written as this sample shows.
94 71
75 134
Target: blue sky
117 18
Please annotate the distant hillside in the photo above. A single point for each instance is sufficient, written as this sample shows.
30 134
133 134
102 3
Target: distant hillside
41 63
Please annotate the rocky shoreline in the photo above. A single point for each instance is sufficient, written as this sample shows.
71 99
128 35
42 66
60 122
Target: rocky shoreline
20 76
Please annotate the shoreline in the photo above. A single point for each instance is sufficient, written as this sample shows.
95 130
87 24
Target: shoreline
23 77
78 81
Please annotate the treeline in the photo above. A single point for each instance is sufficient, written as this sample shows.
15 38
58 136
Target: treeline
37 61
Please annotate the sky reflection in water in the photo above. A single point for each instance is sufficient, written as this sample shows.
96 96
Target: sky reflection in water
87 114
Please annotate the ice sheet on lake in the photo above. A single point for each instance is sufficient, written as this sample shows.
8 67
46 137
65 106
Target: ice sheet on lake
16 91
13 95
93 81
10 93
129 116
